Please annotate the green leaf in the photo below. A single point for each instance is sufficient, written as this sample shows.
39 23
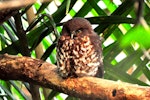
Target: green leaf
53 94
42 7
17 91
68 6
137 34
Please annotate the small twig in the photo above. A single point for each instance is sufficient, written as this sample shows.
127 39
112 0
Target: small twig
139 14
139 10
21 34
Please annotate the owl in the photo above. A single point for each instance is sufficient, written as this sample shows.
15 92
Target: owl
79 51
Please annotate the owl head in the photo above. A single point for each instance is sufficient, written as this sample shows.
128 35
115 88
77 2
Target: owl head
76 27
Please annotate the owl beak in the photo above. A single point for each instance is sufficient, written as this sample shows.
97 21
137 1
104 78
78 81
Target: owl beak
72 34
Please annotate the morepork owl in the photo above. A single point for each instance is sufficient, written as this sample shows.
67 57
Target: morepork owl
79 51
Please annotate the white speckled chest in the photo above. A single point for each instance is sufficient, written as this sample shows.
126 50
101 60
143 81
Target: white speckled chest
77 57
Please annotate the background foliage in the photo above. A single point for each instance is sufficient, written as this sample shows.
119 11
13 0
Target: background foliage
125 39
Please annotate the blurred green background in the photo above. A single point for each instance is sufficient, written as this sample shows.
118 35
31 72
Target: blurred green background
122 25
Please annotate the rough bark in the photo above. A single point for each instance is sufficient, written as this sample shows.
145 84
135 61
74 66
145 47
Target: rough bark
45 74
10 4
9 8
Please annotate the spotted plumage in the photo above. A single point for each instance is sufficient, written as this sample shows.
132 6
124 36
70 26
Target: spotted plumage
79 51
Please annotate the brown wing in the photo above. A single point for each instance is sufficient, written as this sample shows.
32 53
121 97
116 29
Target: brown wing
95 40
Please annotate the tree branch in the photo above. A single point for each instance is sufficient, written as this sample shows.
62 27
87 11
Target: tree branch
10 4
9 8
45 74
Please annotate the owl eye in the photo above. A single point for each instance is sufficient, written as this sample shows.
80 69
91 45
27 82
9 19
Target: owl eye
78 31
